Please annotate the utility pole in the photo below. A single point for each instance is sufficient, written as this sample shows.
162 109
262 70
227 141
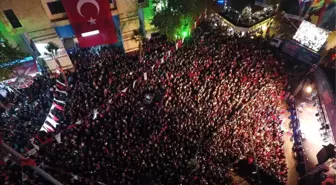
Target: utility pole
41 172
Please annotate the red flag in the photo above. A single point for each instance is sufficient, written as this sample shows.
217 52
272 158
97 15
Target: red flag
71 126
58 107
250 160
91 15
28 162
178 44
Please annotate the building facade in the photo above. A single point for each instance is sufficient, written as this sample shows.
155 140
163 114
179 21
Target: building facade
31 24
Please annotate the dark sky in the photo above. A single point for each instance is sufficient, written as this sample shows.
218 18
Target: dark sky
289 6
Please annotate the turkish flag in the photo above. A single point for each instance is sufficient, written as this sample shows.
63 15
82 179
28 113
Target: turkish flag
91 15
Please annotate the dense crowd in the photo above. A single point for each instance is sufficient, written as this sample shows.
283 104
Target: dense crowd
26 112
23 119
186 121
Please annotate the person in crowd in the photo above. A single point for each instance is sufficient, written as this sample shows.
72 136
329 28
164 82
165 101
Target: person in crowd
185 120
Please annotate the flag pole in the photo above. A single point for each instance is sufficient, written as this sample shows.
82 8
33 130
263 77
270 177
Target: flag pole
37 169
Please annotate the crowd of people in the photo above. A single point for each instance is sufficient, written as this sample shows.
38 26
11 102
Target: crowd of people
26 112
185 120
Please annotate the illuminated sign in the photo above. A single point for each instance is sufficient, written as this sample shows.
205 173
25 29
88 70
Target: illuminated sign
11 63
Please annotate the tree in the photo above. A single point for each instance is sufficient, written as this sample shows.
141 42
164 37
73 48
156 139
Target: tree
9 52
43 65
52 49
175 18
4 73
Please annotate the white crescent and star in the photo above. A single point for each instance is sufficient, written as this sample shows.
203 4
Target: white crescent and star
92 21
79 9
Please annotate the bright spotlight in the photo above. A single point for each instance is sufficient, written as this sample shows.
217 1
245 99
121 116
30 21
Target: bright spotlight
309 89
264 27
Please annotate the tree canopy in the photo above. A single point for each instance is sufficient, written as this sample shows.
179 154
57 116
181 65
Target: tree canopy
175 18
10 53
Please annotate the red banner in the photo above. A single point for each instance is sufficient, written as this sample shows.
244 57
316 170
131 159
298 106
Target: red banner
92 16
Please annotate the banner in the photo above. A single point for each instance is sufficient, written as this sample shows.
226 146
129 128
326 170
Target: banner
91 16
299 52
21 76
31 152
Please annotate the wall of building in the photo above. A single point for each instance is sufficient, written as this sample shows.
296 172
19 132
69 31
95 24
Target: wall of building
29 12
36 27
40 24
129 23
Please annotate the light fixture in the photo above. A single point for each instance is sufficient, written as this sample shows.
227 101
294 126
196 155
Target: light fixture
90 33
309 89
264 28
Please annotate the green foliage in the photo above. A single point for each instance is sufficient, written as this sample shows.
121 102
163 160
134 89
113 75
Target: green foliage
177 16
10 53
5 73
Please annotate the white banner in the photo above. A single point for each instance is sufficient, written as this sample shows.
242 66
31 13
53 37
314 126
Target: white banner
35 146
59 101
125 90
95 113
46 128
60 83
79 122
52 122
58 138
61 91
134 83
32 152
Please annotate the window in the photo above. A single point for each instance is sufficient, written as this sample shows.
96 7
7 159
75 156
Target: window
56 7
13 20
111 1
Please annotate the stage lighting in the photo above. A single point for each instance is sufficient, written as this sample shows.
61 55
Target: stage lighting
264 28
309 89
